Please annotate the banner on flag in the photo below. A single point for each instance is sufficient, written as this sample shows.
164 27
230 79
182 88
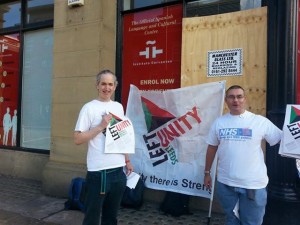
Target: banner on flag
120 136
290 142
170 130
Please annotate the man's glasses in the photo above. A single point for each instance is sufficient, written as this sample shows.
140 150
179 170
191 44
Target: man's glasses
232 97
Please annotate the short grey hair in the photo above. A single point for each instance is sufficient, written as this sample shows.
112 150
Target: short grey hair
106 71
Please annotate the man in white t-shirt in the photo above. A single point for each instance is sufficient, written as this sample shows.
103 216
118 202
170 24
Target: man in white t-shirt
235 138
105 179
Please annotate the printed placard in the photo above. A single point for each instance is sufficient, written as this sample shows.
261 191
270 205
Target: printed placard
226 62
120 137
290 142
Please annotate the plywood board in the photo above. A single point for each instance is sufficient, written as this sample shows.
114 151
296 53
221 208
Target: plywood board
244 29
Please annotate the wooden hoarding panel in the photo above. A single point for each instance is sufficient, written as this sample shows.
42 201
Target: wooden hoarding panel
245 30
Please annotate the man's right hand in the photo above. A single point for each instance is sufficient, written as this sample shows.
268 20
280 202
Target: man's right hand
207 181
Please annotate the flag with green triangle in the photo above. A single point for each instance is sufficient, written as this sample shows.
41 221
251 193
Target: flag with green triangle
290 142
295 114
170 130
154 115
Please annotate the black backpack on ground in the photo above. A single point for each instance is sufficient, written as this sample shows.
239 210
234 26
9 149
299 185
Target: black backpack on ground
134 198
175 204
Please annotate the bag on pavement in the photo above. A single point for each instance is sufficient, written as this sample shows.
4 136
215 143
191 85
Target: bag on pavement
133 198
175 204
76 194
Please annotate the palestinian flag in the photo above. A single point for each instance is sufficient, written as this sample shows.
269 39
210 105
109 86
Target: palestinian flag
154 115
115 119
295 115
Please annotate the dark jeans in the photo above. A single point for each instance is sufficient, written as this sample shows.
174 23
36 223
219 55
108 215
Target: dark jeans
104 192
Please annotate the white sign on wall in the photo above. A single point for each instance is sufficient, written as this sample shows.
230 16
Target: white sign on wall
75 2
227 62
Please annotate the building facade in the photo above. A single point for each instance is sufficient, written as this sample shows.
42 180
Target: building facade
51 52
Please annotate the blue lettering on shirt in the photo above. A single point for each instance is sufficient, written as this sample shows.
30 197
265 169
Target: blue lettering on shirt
235 133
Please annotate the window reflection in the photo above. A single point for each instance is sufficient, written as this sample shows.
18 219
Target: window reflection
40 10
214 7
135 4
37 89
9 79
10 14
211 7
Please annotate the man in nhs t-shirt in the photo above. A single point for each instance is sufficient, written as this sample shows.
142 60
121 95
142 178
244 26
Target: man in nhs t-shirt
241 173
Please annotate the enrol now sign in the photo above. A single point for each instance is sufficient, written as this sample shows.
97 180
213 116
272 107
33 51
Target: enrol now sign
151 57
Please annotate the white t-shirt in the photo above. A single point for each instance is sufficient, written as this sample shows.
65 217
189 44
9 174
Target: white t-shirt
240 156
89 117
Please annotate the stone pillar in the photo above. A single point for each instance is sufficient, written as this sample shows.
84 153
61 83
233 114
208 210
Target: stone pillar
84 44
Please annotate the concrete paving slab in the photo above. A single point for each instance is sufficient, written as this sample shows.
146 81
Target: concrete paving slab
22 203
12 218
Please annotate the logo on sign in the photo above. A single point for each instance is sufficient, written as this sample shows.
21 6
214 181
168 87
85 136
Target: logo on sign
153 51
3 47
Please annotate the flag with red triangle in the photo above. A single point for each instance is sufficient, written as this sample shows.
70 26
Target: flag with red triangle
290 142
170 129
295 114
154 115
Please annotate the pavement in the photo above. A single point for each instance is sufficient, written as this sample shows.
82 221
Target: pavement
23 203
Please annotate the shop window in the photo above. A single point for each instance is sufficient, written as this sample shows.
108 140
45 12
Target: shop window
9 79
37 89
214 7
135 4
206 7
26 86
250 4
10 14
39 11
